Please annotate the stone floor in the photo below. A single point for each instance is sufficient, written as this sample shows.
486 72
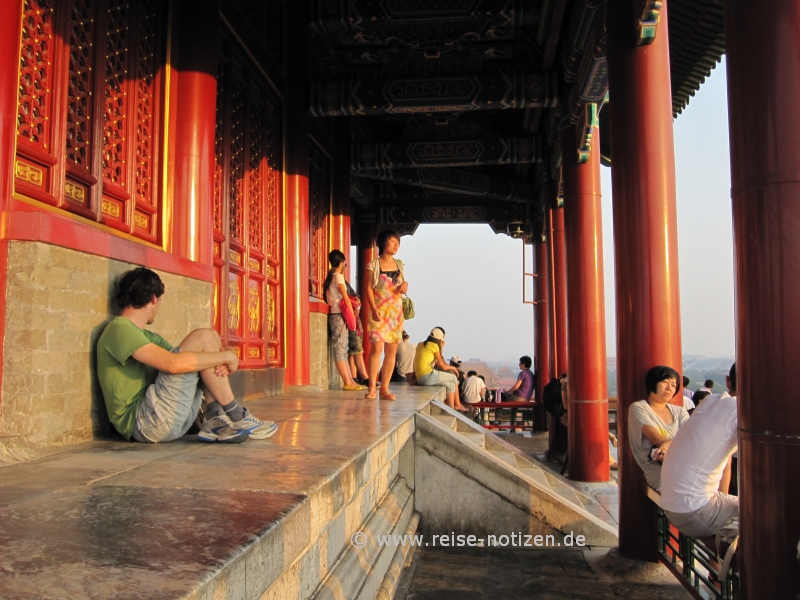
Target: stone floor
112 519
520 574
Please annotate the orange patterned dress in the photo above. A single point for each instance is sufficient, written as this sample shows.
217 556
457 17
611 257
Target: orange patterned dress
389 327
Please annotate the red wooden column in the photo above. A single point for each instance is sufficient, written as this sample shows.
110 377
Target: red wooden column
367 252
646 243
10 37
557 441
196 96
295 227
763 98
340 221
586 328
541 334
559 271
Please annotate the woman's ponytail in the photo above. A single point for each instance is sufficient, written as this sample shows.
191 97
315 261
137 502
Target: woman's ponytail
335 258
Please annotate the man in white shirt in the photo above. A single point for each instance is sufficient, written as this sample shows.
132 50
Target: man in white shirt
694 466
404 363
472 389
687 394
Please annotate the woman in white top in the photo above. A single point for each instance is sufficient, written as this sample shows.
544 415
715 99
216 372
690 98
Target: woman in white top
653 423
335 291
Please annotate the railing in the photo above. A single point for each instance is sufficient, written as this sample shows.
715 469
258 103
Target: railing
693 561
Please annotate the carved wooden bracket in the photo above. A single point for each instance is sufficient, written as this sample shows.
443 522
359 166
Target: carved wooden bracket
646 13
586 131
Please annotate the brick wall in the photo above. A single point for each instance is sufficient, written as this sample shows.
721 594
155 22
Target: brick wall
57 303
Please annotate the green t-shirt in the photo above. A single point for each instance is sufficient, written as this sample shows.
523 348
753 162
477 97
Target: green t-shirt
124 379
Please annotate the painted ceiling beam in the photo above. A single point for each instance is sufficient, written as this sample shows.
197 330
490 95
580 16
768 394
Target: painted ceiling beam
358 16
460 182
479 91
489 150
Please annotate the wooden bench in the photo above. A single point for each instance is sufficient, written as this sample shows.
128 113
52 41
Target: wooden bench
514 406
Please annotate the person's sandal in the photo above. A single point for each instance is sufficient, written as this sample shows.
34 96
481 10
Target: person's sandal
371 393
388 396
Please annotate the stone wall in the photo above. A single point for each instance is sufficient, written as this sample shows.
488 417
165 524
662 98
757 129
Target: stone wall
57 303
318 344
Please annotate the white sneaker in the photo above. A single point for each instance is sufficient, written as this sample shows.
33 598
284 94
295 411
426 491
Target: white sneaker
255 428
220 429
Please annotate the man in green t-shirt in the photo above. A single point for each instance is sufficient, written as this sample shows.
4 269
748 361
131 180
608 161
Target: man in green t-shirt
153 391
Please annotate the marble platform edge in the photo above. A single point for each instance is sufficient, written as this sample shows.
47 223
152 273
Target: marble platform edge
400 561
359 572
510 483
312 563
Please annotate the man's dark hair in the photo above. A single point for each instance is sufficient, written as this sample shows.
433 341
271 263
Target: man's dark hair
686 381
384 236
472 373
526 360
136 288
482 378
709 383
698 396
732 377
661 373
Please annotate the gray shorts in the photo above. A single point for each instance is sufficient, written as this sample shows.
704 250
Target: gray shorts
707 520
354 343
447 379
169 407
339 337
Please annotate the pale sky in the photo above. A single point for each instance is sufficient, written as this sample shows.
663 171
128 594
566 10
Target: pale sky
469 280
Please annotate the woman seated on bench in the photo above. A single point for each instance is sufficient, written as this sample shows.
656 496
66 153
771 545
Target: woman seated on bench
428 356
652 423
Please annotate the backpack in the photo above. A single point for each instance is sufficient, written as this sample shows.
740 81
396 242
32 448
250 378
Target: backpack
551 396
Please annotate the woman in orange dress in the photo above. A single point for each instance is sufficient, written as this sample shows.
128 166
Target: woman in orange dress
384 299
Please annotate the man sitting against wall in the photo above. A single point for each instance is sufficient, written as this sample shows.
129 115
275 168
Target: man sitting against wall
153 391
698 463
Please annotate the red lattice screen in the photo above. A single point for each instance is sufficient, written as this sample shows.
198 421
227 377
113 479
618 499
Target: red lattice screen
319 200
247 202
92 96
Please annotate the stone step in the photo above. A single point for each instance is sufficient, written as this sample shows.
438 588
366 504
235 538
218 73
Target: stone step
537 475
559 482
476 438
359 573
446 420
273 526
506 457
449 465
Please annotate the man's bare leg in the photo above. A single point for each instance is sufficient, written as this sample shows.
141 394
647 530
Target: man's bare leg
216 387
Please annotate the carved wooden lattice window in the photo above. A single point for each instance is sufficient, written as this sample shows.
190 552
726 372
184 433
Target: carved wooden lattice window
247 203
93 97
319 200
